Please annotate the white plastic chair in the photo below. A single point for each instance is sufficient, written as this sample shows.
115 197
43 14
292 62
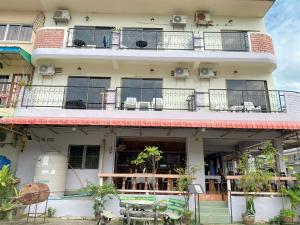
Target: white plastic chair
157 104
249 106
130 103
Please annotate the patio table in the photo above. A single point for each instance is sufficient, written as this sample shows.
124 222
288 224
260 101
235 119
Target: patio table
140 210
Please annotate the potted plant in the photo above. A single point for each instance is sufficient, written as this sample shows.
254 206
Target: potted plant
249 215
256 173
100 193
8 192
275 220
187 216
287 216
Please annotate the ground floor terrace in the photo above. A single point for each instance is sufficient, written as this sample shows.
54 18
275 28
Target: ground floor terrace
67 157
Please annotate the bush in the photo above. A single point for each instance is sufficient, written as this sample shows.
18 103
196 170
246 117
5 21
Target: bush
287 213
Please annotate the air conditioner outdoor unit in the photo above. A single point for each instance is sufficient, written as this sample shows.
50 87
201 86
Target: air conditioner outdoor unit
181 72
202 18
62 16
46 70
179 20
205 72
7 138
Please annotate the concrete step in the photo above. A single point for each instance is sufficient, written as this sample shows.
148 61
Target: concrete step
214 210
215 219
218 204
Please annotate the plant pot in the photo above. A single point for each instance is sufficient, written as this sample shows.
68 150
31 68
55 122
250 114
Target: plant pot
286 220
248 219
186 220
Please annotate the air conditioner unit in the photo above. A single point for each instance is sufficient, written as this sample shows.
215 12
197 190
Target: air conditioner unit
62 16
181 72
179 20
202 18
46 70
205 72
7 138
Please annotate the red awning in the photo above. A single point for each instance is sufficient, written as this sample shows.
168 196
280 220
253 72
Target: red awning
272 125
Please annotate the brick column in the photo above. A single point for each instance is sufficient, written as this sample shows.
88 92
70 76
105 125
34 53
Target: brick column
261 43
49 38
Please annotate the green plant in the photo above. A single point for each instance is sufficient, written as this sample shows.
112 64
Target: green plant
100 193
274 220
51 212
8 190
256 173
250 209
151 155
293 193
186 176
287 213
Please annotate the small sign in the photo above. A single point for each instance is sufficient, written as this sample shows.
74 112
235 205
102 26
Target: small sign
195 189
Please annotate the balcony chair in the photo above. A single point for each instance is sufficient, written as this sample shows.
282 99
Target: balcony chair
249 106
157 104
130 103
144 106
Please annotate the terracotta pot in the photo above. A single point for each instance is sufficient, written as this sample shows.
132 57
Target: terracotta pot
287 220
247 219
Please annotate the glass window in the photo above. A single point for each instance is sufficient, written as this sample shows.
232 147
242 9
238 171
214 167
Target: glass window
26 33
76 156
142 89
86 92
149 38
234 40
2 31
92 157
84 156
241 91
99 37
13 32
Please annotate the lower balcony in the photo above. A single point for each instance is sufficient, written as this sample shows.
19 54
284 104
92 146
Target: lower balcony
155 99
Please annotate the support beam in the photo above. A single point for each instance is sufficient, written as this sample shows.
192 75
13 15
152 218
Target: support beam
277 143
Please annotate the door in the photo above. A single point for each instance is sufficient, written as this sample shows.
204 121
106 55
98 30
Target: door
86 92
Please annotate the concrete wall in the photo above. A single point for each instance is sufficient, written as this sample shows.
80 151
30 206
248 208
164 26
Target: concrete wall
66 137
266 207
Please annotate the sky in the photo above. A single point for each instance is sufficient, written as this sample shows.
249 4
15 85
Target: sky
283 24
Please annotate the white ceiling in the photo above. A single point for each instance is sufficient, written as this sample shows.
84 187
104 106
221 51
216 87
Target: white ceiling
239 8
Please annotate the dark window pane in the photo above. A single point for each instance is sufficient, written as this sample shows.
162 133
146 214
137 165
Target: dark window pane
92 157
76 156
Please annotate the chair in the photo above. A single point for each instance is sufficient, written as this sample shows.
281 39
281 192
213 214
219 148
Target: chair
130 103
249 106
144 106
157 104
174 212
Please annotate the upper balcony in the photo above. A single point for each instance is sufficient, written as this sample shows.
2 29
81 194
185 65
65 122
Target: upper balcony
153 45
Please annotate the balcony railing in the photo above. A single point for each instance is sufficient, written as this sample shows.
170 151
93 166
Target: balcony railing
246 101
226 41
67 97
156 39
89 38
157 99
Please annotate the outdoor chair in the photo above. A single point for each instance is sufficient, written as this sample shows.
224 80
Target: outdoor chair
157 104
174 212
249 106
130 103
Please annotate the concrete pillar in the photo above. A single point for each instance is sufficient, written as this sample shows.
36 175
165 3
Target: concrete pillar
195 157
277 143
110 99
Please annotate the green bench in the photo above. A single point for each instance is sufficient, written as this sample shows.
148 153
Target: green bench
174 212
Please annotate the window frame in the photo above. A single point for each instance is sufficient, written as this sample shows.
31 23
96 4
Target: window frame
83 163
7 26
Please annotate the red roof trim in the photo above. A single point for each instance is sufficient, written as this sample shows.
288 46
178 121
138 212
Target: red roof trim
273 125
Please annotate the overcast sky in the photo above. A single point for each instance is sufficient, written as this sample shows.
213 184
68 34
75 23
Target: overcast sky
283 24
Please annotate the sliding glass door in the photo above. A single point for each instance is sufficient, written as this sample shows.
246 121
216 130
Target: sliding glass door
86 92
253 91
